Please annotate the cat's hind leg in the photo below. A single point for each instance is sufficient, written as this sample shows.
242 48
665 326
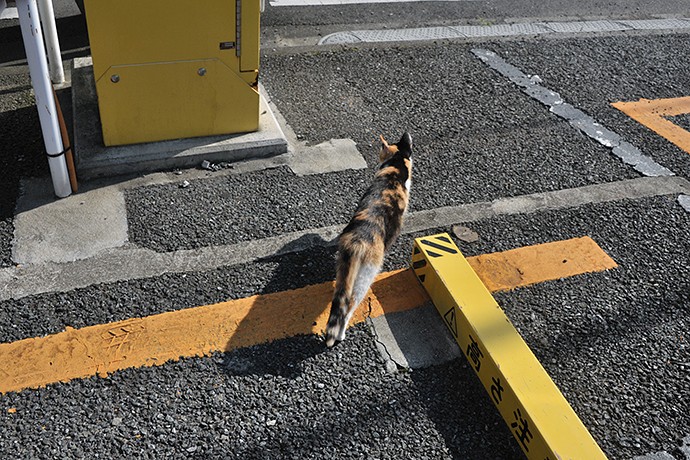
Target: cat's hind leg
344 305
365 276
348 267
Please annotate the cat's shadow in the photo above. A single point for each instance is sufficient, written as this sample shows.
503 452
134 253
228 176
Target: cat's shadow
308 260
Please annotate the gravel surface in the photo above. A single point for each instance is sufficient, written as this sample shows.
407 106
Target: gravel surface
681 120
288 399
591 73
477 138
615 343
241 207
49 313
489 11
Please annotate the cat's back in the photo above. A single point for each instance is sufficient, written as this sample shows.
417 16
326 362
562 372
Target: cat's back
380 211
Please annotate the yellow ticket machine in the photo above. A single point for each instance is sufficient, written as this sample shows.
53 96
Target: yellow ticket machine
171 69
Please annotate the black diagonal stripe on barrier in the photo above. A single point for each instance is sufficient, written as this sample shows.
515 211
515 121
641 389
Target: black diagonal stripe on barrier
419 264
439 246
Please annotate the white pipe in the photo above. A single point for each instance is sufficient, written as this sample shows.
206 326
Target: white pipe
45 9
47 114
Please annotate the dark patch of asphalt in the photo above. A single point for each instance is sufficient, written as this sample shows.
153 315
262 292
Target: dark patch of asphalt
681 120
49 313
236 208
288 399
615 342
397 15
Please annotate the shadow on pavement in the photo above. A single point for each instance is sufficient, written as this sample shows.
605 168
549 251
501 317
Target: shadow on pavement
72 36
463 413
293 269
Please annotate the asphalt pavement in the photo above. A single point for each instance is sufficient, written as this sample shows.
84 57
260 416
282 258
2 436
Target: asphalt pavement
614 342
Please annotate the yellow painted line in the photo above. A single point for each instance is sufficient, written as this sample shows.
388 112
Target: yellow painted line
537 414
651 113
520 267
157 339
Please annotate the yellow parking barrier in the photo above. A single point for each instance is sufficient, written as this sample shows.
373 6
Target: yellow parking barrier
537 414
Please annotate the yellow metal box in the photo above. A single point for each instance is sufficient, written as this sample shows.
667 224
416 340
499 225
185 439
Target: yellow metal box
171 69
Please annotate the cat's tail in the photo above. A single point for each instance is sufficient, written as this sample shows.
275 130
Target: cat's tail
343 297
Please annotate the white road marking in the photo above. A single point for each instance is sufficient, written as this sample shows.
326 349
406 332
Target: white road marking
499 30
349 2
627 152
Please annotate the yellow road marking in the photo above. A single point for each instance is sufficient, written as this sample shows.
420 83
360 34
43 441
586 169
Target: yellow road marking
199 331
507 270
537 414
652 113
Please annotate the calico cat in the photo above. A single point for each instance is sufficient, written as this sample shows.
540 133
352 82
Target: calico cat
371 231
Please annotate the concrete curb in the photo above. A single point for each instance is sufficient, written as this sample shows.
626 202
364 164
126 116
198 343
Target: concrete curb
121 264
95 160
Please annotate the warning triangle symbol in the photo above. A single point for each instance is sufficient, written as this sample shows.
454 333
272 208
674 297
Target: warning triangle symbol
449 317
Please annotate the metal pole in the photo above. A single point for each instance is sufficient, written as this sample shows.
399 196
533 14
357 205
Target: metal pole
45 9
38 69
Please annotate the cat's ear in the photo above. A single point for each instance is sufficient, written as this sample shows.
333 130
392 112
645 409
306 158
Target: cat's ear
387 150
384 143
405 143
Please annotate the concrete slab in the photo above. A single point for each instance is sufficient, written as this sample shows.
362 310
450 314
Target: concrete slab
129 263
331 156
414 339
73 228
95 160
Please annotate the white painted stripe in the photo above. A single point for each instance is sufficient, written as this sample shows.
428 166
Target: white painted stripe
500 30
627 152
349 2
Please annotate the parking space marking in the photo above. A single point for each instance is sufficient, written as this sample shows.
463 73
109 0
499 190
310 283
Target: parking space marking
502 271
460 32
624 150
199 331
537 414
653 114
